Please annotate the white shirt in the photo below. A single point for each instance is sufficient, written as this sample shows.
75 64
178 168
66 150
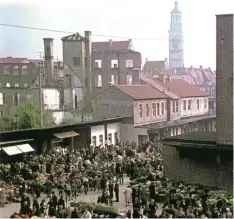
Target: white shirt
87 215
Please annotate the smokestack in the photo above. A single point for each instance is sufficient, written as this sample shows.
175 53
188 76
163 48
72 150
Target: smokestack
110 43
162 78
49 60
88 73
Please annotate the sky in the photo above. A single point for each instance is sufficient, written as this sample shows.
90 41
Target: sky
146 22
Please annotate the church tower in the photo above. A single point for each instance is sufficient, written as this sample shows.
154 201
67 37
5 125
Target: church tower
176 52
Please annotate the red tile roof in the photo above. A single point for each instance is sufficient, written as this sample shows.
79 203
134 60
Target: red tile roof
152 82
182 88
11 60
142 92
112 45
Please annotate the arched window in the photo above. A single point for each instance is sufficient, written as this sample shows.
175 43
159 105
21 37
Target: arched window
8 84
16 85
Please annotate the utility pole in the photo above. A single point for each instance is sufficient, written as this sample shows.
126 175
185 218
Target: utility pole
40 96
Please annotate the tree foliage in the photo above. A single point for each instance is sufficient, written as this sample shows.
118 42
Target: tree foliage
28 116
67 121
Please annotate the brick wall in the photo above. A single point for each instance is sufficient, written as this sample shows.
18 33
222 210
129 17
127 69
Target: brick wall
224 78
106 71
195 171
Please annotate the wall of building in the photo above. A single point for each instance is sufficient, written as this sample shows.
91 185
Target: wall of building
224 78
151 118
112 103
120 73
111 129
73 49
51 99
192 171
194 110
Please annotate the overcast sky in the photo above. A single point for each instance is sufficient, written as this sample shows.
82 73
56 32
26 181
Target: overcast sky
148 20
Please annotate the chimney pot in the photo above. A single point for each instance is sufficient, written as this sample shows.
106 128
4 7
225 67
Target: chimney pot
191 66
110 43
200 66
162 78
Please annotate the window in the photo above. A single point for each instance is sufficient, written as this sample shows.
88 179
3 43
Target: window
177 106
8 84
1 98
114 63
99 83
205 104
129 79
94 141
162 108
101 139
198 104
154 109
0 114
116 136
110 138
112 81
147 109
141 110
16 85
98 63
76 61
16 99
189 104
25 85
29 97
184 104
16 70
6 70
129 63
173 106
158 109
24 70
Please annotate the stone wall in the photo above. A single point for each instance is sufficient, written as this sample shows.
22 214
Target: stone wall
195 171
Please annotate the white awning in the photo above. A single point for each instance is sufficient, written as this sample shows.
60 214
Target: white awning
12 150
66 135
25 148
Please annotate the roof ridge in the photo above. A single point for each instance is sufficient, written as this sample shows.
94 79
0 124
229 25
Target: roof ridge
157 86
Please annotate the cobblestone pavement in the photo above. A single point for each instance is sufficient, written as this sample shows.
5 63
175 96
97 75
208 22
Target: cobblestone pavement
9 209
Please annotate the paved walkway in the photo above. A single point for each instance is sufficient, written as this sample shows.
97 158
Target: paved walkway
9 209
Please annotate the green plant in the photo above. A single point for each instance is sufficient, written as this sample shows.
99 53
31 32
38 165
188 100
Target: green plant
28 116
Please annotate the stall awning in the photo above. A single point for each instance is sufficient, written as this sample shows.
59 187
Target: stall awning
12 150
66 134
25 148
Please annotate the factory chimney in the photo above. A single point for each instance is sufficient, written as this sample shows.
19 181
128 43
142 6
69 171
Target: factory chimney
49 60
88 73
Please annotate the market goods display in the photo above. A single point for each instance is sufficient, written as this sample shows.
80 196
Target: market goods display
96 207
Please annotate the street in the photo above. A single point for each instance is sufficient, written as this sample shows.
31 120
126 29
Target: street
9 209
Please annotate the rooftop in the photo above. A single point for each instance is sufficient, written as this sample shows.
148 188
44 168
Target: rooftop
182 88
112 45
12 60
140 92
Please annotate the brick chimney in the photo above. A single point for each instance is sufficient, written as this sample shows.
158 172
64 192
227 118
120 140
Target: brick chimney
162 78
110 43
49 60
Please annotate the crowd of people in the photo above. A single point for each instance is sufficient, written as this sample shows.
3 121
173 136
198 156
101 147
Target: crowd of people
63 176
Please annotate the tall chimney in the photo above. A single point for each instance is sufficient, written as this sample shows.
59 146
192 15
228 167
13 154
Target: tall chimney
162 78
88 73
49 60
110 43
